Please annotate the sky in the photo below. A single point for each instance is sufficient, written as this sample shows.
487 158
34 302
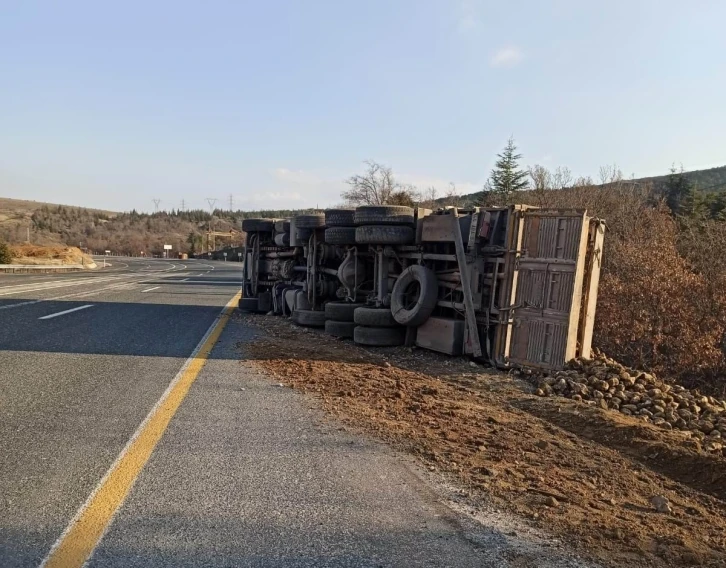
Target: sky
276 103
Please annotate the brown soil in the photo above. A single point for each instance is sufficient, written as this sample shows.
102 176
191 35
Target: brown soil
586 475
50 255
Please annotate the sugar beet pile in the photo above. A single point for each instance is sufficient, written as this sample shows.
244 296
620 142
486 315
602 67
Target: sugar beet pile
606 383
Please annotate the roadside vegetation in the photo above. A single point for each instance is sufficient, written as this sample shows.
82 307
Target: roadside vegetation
5 256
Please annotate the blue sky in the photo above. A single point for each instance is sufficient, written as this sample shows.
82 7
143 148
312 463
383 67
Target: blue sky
277 102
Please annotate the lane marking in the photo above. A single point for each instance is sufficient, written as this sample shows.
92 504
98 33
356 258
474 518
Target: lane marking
85 294
150 289
57 314
82 535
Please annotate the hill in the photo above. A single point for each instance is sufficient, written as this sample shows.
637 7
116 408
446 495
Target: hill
712 180
128 233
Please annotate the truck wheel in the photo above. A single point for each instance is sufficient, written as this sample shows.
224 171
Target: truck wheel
374 317
383 215
342 329
282 226
379 336
312 221
340 235
251 225
249 304
339 217
384 235
341 311
309 318
414 295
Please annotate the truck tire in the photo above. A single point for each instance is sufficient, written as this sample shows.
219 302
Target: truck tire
309 318
379 336
343 329
384 235
312 221
282 226
248 304
414 295
383 215
282 239
251 225
339 217
340 235
374 317
341 311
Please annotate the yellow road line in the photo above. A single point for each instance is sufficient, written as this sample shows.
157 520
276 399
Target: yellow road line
77 543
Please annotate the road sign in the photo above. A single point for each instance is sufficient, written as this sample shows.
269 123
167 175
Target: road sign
167 247
224 253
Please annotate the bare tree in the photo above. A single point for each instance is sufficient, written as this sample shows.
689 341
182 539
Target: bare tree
374 187
378 186
429 197
451 197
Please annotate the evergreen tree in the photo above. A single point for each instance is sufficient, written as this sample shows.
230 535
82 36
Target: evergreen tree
507 177
5 256
677 189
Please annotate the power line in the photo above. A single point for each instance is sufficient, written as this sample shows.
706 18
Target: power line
231 202
156 204
184 205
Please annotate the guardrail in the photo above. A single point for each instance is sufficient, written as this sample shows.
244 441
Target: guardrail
41 268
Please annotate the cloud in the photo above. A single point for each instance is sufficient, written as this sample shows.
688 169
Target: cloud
506 57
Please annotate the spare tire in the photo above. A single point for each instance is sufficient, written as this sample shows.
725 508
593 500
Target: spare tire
251 225
340 235
309 318
383 215
414 295
282 226
376 317
379 336
311 221
249 304
339 217
384 235
282 239
341 311
342 329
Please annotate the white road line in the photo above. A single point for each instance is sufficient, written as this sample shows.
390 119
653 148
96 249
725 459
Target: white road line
51 316
150 289
184 280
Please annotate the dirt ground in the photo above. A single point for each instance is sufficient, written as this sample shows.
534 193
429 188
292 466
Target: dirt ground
49 255
585 475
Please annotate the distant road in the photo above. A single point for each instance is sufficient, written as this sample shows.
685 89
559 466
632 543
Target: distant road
83 358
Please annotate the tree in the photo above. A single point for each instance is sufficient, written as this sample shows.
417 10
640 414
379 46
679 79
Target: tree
6 256
677 189
378 186
506 177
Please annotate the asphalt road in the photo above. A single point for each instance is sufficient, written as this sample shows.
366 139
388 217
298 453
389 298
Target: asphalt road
247 473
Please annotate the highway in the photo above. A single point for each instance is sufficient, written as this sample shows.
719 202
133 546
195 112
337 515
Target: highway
133 435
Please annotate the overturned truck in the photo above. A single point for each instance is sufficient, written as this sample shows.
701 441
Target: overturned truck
509 286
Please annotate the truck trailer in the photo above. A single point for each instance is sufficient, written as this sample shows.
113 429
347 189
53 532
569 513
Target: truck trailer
507 286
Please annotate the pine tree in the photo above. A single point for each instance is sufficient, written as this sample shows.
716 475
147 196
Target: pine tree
5 256
678 187
506 177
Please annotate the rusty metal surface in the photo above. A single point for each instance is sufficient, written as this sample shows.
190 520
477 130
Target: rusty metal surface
548 289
